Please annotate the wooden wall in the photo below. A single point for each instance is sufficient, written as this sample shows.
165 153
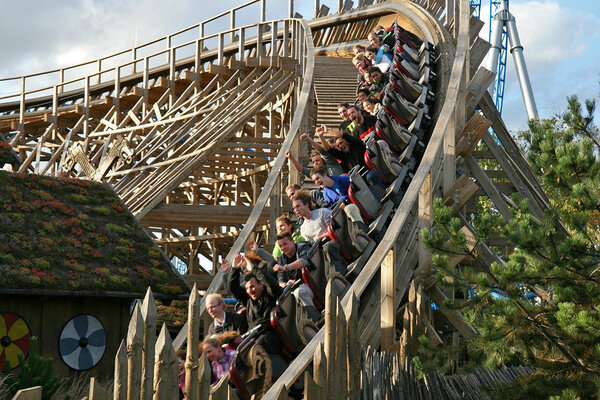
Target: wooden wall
47 316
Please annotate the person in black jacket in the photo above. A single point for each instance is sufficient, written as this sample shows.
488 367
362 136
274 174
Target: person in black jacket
223 321
259 298
289 266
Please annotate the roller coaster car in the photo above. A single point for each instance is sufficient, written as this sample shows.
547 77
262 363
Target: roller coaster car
292 326
412 40
403 112
377 227
316 277
409 54
406 67
386 166
410 89
406 36
403 104
315 274
357 265
352 238
419 72
251 371
395 192
426 75
397 136
360 194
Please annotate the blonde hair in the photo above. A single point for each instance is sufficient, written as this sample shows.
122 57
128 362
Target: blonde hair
212 341
215 296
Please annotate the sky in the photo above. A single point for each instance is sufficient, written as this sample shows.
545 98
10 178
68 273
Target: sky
561 40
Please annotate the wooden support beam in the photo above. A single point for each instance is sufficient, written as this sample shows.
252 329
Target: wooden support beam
477 87
200 215
459 193
489 187
388 303
479 50
512 151
472 133
453 316
474 27
519 182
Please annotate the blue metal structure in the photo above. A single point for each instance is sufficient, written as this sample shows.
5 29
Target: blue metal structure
498 93
503 32
502 29
477 5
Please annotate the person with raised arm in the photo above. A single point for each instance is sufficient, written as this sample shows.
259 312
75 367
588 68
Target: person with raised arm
289 266
259 296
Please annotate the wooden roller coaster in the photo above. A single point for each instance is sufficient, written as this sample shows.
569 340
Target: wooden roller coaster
192 138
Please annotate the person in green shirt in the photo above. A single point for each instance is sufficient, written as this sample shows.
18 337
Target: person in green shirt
284 224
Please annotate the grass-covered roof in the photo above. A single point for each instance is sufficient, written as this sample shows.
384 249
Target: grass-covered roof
74 235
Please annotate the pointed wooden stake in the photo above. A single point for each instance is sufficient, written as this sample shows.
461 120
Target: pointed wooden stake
134 354
191 362
162 371
149 314
120 386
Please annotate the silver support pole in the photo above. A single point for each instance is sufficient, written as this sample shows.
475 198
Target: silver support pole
494 53
517 51
501 19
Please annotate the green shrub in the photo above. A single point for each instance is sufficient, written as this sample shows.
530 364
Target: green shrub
7 259
101 210
117 229
79 198
35 371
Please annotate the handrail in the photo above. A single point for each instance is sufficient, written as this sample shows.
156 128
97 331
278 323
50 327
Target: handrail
306 57
135 49
301 362
21 80
148 57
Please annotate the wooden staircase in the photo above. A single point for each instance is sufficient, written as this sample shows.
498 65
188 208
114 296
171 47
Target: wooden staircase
335 83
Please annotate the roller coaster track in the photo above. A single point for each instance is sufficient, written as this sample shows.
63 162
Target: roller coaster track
202 129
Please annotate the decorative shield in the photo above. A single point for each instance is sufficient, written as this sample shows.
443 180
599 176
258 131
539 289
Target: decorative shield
14 339
82 342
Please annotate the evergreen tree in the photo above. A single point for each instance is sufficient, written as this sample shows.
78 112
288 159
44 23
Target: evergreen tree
35 371
540 308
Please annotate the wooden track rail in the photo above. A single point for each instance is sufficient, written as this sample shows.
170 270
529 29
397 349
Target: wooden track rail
444 123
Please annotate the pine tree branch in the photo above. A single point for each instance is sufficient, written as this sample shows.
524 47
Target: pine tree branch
550 336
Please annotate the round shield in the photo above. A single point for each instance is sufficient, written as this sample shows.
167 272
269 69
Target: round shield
14 339
82 342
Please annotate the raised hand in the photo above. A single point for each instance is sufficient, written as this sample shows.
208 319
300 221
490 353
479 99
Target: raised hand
237 261
225 266
321 130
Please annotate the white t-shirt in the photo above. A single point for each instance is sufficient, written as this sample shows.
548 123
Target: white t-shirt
312 228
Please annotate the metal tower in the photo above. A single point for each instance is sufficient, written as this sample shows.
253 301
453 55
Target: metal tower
503 29
476 4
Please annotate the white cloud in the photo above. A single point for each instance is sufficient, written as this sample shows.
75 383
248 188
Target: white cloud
551 33
560 41
52 33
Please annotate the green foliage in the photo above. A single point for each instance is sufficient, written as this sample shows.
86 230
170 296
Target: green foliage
57 233
35 371
555 257
101 210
